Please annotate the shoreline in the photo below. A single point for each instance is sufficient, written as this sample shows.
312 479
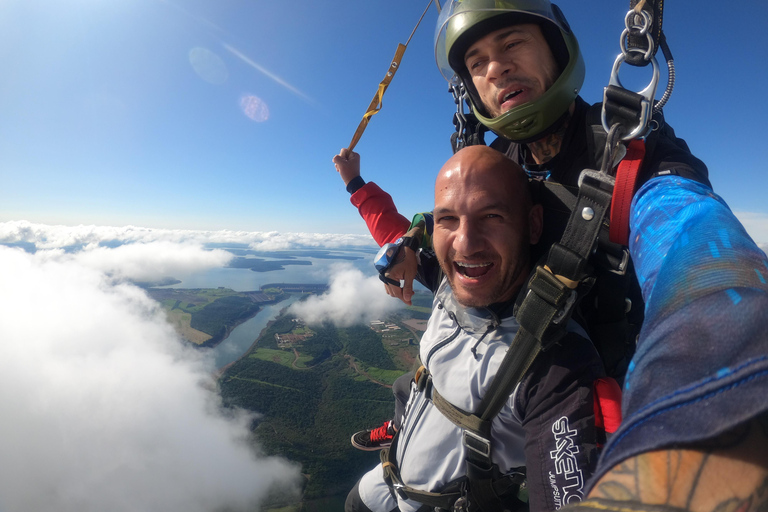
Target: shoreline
252 347
213 343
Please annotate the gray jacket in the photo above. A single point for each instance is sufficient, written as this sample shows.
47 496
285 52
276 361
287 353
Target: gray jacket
547 424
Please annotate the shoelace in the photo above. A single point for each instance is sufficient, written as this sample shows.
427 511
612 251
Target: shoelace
381 433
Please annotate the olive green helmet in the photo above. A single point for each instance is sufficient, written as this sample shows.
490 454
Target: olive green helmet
462 22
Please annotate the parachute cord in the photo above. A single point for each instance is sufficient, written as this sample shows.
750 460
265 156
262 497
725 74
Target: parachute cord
376 102
419 22
670 72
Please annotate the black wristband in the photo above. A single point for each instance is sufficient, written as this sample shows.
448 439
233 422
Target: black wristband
355 184
412 243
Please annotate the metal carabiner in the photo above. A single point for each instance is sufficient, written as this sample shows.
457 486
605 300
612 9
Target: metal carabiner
646 105
460 120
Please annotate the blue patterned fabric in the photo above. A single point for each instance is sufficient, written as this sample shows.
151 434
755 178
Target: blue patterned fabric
701 366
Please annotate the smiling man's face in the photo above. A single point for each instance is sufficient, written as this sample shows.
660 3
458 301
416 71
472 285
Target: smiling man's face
511 66
484 225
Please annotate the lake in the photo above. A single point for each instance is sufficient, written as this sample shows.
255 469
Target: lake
243 280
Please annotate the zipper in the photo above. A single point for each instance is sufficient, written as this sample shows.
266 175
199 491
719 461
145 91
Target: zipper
445 341
412 424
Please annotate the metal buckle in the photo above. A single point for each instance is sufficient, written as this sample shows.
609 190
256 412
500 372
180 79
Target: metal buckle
485 443
400 490
597 176
645 105
565 311
622 268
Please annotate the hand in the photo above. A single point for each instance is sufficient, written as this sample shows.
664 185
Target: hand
347 165
404 270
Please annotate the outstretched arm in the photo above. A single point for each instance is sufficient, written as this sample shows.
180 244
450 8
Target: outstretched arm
374 205
695 429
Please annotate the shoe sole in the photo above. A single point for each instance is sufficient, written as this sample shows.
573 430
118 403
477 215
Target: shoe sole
368 448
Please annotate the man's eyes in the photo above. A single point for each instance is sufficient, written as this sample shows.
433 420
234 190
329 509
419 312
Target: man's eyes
474 65
507 45
450 218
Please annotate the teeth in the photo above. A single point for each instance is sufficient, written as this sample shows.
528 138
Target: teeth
472 265
512 94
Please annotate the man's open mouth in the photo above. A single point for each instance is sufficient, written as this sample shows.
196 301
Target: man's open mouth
473 270
510 95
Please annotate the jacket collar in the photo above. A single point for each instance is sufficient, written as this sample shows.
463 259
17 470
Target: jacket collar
473 320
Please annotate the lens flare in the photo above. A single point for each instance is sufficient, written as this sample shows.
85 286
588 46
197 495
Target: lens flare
208 66
254 108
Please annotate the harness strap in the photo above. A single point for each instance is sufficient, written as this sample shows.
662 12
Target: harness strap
626 178
639 41
489 489
569 257
395 483
462 419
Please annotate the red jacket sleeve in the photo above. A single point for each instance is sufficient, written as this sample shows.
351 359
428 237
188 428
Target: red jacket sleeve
379 213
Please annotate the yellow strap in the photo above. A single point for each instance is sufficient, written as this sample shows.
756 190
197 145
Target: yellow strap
375 105
567 282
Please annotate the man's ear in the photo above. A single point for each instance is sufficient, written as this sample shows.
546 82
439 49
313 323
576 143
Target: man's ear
535 223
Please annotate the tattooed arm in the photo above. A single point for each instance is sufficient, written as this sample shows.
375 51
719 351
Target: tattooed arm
727 474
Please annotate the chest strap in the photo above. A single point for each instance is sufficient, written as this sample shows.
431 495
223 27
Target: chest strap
439 500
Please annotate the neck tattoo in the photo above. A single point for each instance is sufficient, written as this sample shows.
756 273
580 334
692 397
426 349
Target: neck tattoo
546 148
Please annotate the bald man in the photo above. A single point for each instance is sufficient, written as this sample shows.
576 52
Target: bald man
485 223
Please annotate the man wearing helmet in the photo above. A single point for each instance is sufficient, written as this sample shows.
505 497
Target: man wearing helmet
700 289
502 91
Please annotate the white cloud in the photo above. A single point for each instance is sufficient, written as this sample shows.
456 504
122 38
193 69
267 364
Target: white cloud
274 241
756 225
50 237
351 299
152 261
103 408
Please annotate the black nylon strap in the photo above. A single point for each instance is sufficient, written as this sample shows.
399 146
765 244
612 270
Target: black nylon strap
520 355
622 106
570 257
656 9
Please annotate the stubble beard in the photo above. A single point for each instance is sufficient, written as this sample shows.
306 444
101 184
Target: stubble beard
494 295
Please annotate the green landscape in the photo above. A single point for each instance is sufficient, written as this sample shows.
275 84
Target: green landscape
312 386
315 391
206 316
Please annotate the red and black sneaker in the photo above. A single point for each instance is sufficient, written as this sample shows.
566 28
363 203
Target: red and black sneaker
374 439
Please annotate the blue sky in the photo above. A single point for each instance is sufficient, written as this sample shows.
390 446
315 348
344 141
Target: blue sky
131 112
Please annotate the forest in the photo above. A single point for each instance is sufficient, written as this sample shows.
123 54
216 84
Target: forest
308 414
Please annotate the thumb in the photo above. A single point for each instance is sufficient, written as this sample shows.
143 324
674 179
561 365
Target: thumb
408 290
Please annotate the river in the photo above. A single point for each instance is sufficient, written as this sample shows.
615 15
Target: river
243 336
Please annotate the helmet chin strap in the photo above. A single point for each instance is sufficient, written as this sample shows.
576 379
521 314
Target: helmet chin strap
554 128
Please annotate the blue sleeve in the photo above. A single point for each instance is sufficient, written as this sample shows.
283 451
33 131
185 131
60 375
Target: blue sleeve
701 365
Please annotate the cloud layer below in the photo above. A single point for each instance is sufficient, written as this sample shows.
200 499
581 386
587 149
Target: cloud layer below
103 407
352 298
756 225
50 237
